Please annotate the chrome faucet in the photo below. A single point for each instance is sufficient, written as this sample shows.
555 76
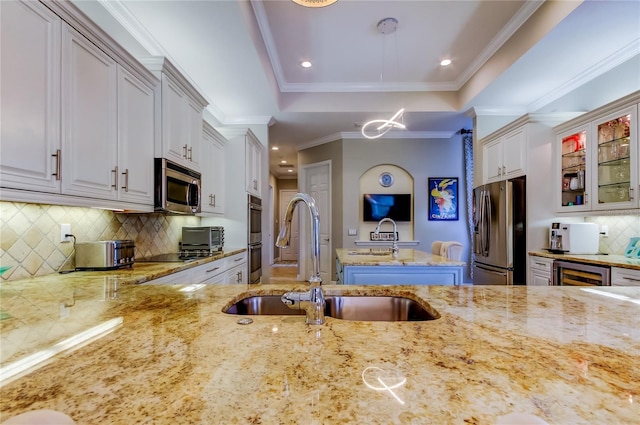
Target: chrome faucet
394 247
313 301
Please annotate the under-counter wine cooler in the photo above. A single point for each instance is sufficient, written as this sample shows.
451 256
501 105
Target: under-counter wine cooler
566 273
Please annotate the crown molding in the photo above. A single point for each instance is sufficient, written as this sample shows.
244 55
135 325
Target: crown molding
622 55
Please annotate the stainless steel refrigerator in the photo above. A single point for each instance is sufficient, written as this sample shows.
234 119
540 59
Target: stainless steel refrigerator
499 236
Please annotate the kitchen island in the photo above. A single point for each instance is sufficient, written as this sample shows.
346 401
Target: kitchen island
377 266
167 354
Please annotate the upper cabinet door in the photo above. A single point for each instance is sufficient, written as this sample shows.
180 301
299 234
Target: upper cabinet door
575 175
30 81
615 160
89 106
514 153
135 139
175 140
492 155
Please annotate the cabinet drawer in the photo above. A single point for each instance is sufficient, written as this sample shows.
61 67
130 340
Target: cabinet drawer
624 277
207 271
541 263
235 260
184 276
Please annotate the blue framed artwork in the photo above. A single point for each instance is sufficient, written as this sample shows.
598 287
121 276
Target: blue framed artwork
443 198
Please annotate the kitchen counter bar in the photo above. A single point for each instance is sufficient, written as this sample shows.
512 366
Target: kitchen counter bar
564 354
383 257
611 260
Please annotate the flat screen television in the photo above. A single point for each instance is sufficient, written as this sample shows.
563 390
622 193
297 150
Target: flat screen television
394 206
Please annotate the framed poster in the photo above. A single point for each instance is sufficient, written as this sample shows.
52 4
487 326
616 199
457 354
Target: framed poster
443 198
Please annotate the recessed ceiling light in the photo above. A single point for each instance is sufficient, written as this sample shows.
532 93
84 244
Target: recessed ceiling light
445 62
290 170
284 161
274 148
305 64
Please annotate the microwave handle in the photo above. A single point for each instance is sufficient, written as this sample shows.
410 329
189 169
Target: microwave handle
197 201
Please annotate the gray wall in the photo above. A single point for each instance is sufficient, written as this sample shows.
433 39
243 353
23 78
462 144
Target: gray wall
422 158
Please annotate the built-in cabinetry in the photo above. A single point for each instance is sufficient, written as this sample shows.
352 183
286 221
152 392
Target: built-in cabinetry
253 152
230 269
504 155
540 271
397 275
179 108
77 121
598 159
213 171
624 277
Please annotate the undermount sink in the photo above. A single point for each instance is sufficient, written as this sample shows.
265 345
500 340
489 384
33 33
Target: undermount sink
359 308
386 252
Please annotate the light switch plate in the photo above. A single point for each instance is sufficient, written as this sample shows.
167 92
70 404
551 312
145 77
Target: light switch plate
353 232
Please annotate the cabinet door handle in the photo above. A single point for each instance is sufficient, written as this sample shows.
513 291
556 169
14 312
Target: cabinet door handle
184 152
190 153
255 184
499 171
58 157
504 170
126 180
214 201
631 194
115 178
586 198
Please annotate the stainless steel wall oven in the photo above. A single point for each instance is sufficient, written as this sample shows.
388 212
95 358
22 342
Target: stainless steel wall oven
255 239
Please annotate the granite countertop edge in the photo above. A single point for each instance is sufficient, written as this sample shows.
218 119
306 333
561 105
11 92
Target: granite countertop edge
611 260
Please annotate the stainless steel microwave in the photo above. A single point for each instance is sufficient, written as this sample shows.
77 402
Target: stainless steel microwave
177 189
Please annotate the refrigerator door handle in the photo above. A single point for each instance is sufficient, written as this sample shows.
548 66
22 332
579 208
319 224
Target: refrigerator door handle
486 227
501 273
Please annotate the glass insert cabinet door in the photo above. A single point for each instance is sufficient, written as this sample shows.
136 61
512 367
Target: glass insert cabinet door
616 159
575 171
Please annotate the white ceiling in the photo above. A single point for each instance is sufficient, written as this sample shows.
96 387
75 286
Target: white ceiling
509 58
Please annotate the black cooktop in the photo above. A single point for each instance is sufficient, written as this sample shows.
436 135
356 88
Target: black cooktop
174 257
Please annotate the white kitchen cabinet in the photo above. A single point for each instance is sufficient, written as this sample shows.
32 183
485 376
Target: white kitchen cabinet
89 118
540 271
253 165
504 156
179 108
135 139
237 274
213 171
30 102
624 277
77 112
598 159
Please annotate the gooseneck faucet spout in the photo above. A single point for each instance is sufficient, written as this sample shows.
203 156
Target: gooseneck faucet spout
313 301
394 247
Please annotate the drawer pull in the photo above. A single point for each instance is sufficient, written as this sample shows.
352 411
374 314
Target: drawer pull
630 278
212 270
238 259
541 264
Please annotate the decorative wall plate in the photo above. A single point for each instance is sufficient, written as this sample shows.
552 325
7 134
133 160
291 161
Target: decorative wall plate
386 179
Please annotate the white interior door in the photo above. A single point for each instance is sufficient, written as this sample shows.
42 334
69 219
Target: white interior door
317 183
291 253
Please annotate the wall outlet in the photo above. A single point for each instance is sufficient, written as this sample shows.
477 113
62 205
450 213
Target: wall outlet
65 229
604 231
352 232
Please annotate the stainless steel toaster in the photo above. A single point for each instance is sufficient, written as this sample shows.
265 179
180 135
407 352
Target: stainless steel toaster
105 255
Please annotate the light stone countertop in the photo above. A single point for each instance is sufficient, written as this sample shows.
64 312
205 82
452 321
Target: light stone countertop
564 354
383 257
611 260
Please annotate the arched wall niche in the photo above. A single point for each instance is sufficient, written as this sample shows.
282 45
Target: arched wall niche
370 182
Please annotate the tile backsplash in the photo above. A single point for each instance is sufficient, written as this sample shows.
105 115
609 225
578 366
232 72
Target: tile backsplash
621 229
30 234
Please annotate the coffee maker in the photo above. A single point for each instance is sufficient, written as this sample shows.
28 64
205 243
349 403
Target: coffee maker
555 240
574 238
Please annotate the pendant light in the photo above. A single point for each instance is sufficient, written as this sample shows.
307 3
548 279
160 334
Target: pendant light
377 128
314 3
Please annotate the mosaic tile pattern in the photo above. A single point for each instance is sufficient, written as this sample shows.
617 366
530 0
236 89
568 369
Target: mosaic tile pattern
30 235
621 229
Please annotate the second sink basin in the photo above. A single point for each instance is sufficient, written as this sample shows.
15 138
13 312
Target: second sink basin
360 308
